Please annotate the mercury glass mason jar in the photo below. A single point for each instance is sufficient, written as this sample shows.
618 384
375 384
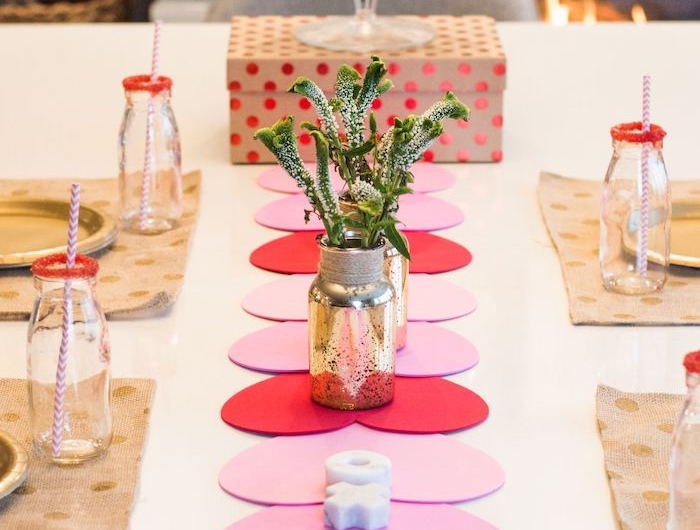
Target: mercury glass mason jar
66 310
352 329
153 204
631 263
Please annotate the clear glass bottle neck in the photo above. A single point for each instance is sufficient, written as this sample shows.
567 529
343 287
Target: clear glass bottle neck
142 97
46 285
623 148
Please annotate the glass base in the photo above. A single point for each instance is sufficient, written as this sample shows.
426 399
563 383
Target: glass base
353 34
72 452
152 225
633 284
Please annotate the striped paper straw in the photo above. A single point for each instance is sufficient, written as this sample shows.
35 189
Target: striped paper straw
148 162
60 393
642 260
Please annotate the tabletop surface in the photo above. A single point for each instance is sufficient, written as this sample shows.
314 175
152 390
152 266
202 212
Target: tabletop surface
60 107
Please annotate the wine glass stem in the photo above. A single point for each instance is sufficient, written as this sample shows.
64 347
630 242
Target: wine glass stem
365 10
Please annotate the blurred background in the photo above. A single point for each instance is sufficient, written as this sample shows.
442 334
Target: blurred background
556 12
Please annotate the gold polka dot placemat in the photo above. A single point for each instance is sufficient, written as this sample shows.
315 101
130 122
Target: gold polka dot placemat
96 495
571 208
139 275
635 430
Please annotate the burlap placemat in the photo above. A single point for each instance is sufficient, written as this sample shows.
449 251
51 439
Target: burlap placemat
571 208
139 275
96 495
635 430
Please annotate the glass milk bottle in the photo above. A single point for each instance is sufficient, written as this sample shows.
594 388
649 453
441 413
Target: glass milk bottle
629 262
149 144
684 465
68 357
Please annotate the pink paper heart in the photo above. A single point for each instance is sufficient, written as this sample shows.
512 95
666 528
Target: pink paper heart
430 298
417 212
427 178
402 516
425 468
282 405
298 253
431 350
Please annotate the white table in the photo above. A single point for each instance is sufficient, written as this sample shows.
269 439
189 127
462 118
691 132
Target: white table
60 108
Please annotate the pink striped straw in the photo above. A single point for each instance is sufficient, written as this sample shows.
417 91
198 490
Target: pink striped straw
60 393
642 259
148 163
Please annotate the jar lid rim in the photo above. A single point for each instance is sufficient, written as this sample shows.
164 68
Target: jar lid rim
53 267
144 83
632 132
691 362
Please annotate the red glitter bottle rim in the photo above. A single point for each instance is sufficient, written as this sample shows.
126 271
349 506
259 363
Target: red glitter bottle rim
691 362
632 132
53 267
144 83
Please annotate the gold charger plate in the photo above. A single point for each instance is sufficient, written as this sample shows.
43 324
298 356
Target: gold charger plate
31 228
14 461
685 233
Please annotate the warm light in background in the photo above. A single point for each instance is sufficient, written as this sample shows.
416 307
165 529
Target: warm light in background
562 12
638 14
589 12
557 13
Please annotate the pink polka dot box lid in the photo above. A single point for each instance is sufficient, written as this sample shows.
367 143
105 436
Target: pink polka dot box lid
465 55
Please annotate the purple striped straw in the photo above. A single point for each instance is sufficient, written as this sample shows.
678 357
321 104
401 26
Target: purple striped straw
148 162
642 260
60 393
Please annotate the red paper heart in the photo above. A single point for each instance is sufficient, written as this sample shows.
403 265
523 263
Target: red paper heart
298 254
282 406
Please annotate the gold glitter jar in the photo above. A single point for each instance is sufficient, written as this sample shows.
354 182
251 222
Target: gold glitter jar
396 271
352 347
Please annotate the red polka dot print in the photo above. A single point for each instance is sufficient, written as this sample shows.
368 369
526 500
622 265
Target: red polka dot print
446 86
464 69
496 155
445 139
410 86
393 68
390 120
462 155
481 103
322 68
428 156
269 103
480 138
410 103
481 86
377 104
287 69
462 124
234 86
497 121
270 86
235 104
236 139
251 68
253 156
499 69
304 104
252 121
428 69
305 138
359 67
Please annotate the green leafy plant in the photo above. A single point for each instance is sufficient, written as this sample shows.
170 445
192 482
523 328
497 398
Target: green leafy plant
376 168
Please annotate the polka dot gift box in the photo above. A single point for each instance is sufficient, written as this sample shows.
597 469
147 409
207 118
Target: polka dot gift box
465 57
